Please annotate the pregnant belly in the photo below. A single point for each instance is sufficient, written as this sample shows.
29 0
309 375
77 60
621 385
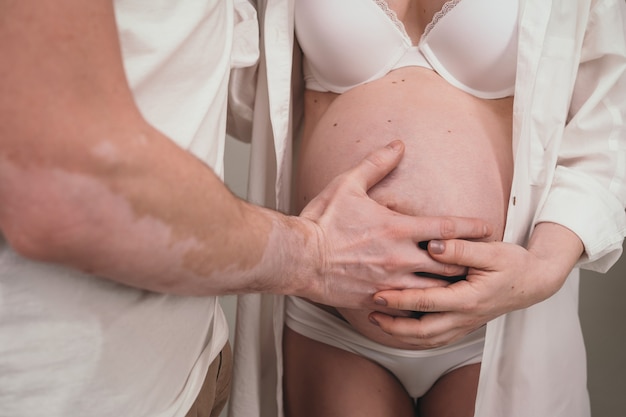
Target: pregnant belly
458 158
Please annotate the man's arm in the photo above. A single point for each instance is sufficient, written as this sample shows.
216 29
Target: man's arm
86 182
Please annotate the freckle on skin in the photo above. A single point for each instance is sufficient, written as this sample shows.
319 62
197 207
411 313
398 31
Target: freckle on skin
358 141
335 124
388 121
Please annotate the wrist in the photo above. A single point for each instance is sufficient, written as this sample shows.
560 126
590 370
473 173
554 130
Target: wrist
557 249
297 251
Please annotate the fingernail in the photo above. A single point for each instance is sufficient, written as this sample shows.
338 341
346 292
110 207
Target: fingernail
373 320
380 301
396 145
436 246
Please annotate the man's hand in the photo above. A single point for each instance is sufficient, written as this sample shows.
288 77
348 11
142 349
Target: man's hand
502 277
365 247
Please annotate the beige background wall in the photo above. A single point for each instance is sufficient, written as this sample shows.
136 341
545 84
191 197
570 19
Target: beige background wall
602 310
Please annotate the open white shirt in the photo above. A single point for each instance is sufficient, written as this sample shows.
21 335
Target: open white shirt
570 168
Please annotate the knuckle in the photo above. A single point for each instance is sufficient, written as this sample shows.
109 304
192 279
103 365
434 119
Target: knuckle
449 270
342 180
387 325
458 250
470 305
375 159
425 336
424 339
412 333
419 266
396 262
390 262
448 228
423 304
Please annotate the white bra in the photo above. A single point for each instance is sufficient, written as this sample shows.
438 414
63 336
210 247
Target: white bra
472 44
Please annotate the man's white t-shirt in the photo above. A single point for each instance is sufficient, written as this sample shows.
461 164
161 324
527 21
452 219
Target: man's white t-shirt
72 344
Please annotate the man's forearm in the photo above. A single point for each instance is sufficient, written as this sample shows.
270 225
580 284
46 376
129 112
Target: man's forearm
85 181
153 217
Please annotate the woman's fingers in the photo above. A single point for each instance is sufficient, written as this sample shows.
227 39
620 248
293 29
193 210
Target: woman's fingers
429 331
477 255
459 296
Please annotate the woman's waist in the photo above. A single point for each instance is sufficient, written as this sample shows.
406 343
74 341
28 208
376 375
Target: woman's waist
325 324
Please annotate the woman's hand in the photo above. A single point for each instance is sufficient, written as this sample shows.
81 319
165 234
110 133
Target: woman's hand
502 277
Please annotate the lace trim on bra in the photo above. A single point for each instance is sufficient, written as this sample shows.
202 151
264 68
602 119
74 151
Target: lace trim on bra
392 16
449 5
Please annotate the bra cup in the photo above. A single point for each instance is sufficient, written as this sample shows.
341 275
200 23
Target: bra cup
480 62
347 43
333 42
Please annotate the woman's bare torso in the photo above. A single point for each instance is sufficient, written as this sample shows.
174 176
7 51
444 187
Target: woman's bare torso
458 158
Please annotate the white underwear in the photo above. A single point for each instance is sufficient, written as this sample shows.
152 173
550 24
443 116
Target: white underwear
417 370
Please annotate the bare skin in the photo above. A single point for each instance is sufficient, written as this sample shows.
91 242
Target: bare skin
86 182
503 277
322 380
458 162
438 177
458 157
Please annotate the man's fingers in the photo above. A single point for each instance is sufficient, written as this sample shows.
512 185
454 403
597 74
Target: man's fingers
378 164
441 228
427 267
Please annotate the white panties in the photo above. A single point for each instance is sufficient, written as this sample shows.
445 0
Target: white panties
417 370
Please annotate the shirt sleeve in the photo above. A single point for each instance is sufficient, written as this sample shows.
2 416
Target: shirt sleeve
588 191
